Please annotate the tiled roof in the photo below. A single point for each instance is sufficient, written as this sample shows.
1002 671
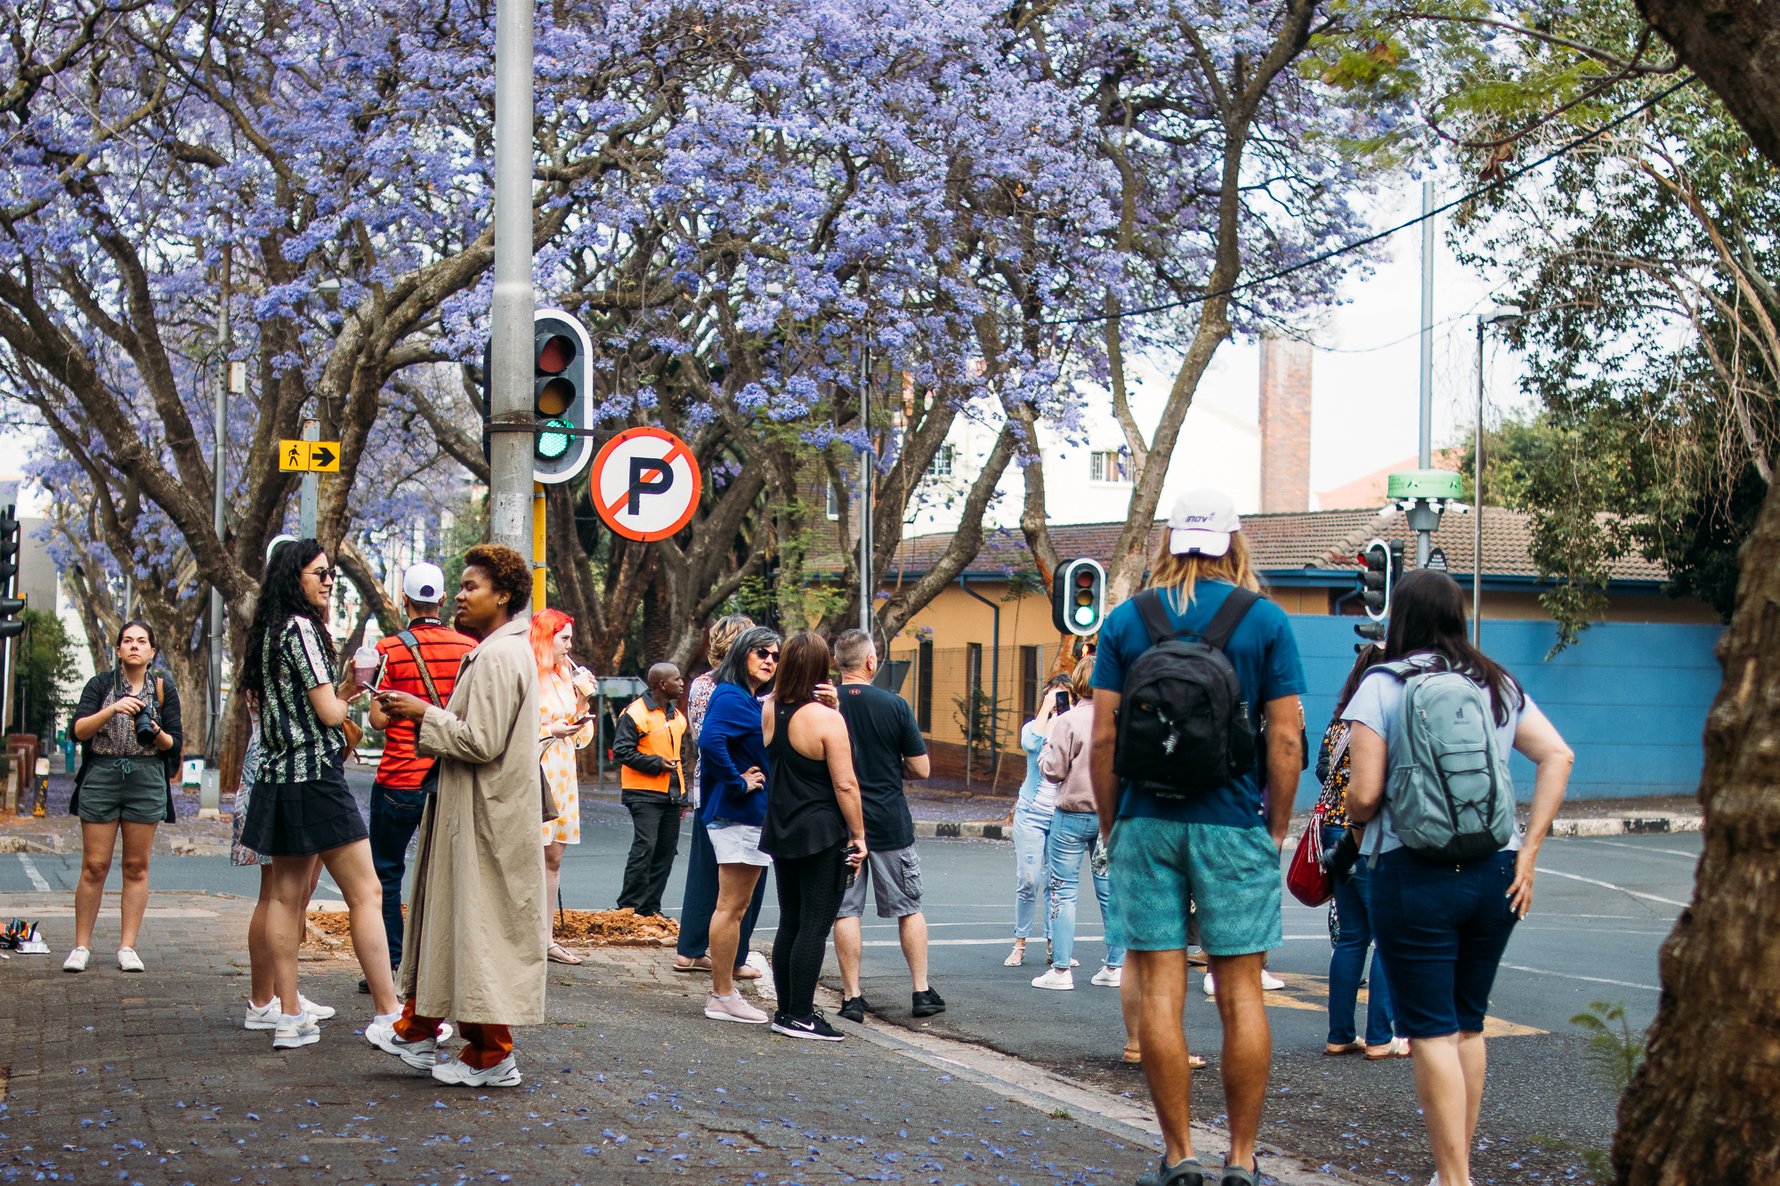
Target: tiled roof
1286 542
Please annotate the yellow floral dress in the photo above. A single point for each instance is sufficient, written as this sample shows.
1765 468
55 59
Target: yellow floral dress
557 702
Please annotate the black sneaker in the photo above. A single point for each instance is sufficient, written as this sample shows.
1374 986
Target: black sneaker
853 1009
927 1003
814 1026
364 986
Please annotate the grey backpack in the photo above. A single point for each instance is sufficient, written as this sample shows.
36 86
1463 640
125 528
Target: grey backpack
1449 791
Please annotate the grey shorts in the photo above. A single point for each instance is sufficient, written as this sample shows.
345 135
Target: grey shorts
895 878
130 789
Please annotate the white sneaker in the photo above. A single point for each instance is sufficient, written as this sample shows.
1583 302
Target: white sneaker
458 1073
1109 977
77 960
422 1054
733 1008
289 1035
128 960
1060 979
265 1017
1270 982
1210 988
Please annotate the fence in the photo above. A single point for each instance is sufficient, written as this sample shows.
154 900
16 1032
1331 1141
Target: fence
1630 698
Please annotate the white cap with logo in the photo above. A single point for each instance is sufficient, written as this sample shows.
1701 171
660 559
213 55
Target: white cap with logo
1202 521
424 584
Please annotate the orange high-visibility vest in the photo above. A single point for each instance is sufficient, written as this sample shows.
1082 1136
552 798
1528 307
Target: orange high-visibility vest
656 735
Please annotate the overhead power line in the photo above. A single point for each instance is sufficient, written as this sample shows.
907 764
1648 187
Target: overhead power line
1469 195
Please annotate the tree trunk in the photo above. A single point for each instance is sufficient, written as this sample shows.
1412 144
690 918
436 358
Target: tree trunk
1701 1109
1734 45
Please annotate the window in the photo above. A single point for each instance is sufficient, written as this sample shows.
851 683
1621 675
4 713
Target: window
1109 465
1028 683
836 497
941 465
924 687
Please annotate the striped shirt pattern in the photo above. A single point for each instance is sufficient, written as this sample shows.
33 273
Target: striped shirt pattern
294 745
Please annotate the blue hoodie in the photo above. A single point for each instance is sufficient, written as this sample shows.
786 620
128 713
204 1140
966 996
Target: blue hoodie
729 742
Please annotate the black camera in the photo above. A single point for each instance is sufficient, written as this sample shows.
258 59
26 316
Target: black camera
148 727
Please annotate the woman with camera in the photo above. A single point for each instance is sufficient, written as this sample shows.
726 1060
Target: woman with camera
127 722
301 810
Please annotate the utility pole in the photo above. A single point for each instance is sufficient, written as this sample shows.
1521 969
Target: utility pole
868 471
1425 442
509 386
307 498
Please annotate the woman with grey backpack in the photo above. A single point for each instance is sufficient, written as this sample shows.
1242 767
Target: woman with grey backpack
1452 873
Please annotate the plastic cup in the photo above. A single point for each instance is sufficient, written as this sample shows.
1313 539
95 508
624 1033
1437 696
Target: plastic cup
364 664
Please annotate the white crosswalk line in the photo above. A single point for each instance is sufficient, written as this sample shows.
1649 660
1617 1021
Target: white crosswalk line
38 881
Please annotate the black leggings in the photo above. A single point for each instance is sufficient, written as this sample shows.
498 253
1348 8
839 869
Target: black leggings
810 890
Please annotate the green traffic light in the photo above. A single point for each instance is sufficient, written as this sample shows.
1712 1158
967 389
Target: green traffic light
1084 614
552 445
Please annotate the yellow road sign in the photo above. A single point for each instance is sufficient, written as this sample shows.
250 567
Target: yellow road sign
321 457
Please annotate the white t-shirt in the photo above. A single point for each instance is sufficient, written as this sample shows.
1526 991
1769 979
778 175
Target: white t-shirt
1377 703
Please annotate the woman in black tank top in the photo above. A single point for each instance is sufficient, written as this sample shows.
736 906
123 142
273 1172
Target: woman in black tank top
814 829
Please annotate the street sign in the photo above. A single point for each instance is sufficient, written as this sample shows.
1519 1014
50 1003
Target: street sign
646 484
316 457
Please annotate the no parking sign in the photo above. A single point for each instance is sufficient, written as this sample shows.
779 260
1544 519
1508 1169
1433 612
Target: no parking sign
645 484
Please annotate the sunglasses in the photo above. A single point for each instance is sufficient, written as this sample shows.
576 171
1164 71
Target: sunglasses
766 653
324 575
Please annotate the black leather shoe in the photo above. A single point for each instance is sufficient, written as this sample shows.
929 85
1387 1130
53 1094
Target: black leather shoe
927 1003
853 1009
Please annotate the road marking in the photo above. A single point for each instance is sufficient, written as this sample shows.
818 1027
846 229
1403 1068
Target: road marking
326 882
1673 852
1587 979
38 881
1630 893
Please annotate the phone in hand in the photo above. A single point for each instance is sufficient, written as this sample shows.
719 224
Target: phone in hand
851 857
382 665
1062 700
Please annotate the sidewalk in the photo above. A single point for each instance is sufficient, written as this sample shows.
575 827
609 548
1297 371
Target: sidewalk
151 1078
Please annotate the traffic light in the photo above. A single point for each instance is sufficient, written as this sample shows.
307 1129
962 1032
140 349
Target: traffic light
1375 582
1078 597
562 396
10 607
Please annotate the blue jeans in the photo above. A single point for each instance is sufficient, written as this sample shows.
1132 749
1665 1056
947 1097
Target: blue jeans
394 816
1347 963
700 900
1073 836
1442 928
1031 828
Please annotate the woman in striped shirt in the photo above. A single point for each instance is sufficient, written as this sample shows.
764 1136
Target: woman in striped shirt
301 810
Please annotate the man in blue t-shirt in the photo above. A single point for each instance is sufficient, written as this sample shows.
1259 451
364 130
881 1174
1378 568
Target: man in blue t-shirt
1218 849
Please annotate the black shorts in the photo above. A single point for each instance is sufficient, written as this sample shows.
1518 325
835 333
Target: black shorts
294 819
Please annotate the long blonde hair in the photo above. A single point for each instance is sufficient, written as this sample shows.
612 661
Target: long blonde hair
1180 574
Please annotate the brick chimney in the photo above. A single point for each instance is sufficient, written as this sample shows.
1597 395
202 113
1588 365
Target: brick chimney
1285 424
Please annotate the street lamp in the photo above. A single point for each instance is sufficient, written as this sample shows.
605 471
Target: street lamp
1506 317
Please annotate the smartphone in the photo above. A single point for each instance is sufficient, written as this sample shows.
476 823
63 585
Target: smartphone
382 664
1062 700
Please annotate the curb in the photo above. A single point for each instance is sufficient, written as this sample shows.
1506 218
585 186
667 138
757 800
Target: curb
1563 829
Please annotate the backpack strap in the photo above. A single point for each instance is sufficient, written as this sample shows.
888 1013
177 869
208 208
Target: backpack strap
1230 614
426 676
1155 616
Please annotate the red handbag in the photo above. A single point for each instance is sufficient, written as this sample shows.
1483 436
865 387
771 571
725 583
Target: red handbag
1306 879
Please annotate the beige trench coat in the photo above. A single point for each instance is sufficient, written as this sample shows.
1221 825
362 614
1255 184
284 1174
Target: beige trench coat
473 948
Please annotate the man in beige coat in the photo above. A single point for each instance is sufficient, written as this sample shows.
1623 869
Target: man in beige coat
474 941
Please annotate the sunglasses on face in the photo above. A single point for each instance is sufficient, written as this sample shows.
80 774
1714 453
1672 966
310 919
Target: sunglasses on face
766 653
324 575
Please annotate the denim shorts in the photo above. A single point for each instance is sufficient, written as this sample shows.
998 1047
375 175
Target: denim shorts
1441 929
1158 866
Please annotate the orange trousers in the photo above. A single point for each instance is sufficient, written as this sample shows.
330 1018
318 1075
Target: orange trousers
487 1043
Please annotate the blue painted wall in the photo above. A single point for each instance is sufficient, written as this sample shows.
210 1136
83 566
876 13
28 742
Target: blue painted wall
1630 698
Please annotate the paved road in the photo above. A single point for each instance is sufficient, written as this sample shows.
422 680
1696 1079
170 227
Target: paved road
1603 909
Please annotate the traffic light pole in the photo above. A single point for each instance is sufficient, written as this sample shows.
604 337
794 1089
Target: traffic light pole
510 346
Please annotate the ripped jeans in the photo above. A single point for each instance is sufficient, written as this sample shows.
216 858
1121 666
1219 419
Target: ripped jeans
1073 837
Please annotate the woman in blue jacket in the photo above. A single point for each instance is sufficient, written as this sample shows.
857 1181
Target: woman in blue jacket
733 765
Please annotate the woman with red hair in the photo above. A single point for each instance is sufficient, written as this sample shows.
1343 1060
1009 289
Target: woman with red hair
565 724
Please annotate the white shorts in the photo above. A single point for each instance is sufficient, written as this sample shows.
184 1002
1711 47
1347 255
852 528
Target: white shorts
737 844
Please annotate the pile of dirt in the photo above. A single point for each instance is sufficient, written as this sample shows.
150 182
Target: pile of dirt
330 930
612 928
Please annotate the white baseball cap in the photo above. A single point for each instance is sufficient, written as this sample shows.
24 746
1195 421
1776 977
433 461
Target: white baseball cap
424 584
1202 521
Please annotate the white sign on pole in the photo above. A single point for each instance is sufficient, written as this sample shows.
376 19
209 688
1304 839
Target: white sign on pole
646 484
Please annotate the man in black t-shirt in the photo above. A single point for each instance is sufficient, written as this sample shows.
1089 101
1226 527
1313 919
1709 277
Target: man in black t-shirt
887 748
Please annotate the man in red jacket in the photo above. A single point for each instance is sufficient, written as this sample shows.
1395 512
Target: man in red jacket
421 660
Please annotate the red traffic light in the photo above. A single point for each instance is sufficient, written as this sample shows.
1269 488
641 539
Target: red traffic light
554 353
